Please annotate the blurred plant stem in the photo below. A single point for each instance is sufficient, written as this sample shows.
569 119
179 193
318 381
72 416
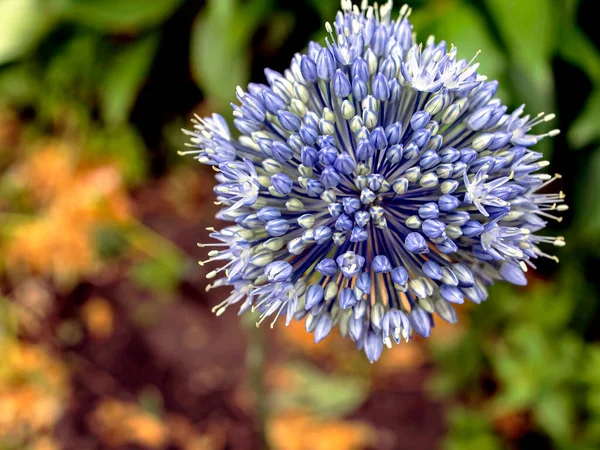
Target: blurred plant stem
148 241
255 365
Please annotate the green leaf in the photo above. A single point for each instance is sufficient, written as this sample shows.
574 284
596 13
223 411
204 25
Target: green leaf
534 86
520 391
574 45
585 129
487 441
592 432
464 27
531 306
220 64
593 401
528 30
587 219
22 24
120 15
576 48
591 371
527 27
164 265
124 78
470 430
570 11
156 276
327 395
460 365
76 62
555 414
19 85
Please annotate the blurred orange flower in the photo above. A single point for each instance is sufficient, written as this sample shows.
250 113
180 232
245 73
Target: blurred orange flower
405 356
45 443
186 436
120 423
50 247
98 317
59 241
300 431
47 170
33 390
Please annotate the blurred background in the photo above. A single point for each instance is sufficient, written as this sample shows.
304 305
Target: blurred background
106 336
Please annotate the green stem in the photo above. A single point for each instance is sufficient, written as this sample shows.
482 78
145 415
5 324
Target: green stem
255 365
148 241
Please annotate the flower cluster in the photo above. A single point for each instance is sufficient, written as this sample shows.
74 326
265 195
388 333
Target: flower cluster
375 183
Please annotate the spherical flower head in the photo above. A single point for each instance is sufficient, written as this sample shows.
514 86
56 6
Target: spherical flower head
373 185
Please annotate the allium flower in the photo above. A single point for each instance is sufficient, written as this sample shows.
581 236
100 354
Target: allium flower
375 183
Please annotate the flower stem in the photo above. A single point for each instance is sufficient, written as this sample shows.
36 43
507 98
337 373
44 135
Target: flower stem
255 366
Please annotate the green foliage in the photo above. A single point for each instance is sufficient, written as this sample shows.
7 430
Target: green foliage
162 275
163 265
220 64
585 130
575 47
328 395
527 341
457 372
528 30
22 24
118 15
469 430
124 77
587 216
88 82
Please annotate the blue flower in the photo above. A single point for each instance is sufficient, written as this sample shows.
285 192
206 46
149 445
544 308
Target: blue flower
374 184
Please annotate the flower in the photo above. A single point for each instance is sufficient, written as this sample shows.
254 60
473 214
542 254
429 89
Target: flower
34 392
120 423
301 430
374 184
59 240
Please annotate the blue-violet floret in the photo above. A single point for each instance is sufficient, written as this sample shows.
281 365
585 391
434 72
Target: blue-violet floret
374 184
